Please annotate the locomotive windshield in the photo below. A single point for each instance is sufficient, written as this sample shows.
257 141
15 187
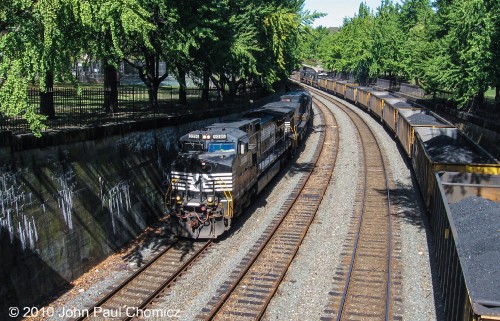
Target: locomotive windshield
221 147
192 147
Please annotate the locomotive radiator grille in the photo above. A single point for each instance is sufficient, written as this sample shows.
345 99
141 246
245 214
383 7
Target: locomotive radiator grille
221 182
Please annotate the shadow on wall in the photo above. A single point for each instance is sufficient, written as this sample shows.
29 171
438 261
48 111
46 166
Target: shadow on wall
65 209
21 284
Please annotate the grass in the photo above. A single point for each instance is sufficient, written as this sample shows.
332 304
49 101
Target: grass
490 94
85 85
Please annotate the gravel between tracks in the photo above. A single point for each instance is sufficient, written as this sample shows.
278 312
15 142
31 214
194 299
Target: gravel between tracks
303 292
200 283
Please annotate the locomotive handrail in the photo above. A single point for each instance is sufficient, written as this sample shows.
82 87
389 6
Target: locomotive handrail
168 196
294 132
229 198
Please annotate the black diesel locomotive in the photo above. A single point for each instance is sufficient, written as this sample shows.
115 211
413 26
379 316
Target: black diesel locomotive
220 168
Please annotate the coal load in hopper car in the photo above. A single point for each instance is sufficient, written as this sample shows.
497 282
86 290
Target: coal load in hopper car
465 221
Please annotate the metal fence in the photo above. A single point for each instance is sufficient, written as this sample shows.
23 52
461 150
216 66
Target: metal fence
86 109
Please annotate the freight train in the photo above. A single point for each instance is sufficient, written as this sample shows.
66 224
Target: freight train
460 185
222 167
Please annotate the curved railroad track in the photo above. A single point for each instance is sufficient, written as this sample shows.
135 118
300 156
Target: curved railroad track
250 288
133 295
362 283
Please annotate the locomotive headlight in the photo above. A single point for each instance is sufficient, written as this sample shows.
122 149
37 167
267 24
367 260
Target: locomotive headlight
178 199
210 200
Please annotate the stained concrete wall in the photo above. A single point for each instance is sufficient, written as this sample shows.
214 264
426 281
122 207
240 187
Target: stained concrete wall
70 199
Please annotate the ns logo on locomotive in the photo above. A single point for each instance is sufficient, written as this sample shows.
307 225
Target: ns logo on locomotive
222 167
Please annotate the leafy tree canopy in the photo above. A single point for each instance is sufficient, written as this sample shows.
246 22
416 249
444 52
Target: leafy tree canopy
451 45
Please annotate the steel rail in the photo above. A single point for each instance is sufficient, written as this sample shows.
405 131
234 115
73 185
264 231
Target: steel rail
234 285
128 280
172 278
139 273
350 114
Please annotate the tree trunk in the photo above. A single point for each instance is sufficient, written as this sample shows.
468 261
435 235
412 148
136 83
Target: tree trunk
150 75
205 89
477 102
232 89
234 86
110 88
153 96
497 96
181 78
47 96
481 99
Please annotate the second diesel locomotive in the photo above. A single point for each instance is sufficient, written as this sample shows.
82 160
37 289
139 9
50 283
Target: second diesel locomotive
220 168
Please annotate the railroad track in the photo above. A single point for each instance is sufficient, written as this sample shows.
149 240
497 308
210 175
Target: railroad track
249 289
132 296
362 283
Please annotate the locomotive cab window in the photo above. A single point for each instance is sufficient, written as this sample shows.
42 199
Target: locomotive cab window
221 147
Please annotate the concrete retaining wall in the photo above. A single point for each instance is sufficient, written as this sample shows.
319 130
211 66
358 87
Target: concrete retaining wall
69 200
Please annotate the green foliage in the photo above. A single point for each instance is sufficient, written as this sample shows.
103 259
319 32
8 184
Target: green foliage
450 45
350 50
249 41
114 26
415 17
36 37
388 41
232 41
311 42
280 28
463 62
493 7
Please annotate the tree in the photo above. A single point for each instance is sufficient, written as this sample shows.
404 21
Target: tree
182 41
415 19
38 42
311 43
493 7
112 25
388 41
280 39
246 42
462 63
351 49
145 50
230 42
